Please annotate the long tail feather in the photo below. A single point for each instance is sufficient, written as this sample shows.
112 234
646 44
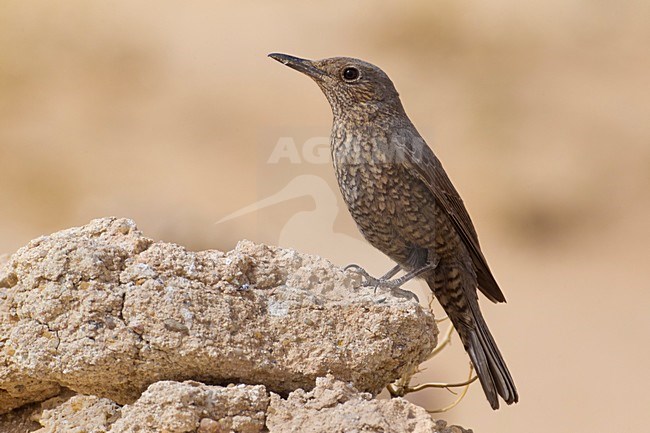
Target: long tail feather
462 308
489 363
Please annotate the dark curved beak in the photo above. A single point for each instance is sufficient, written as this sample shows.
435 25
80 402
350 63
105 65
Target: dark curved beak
302 65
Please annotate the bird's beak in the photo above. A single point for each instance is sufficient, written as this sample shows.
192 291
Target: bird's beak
302 65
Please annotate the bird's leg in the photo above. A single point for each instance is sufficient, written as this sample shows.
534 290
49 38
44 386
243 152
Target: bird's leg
391 273
385 281
398 282
394 285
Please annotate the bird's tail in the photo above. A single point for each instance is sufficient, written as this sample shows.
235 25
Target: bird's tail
490 366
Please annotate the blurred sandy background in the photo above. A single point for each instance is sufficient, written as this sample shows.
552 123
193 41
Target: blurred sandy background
168 113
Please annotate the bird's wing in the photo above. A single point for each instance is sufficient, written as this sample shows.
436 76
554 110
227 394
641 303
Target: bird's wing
421 158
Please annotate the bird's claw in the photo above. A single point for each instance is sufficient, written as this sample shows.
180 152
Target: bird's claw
358 269
368 280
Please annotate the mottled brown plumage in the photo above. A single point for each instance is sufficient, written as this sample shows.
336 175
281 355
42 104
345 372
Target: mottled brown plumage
405 205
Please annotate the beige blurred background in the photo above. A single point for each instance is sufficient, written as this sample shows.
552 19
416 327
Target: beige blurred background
169 113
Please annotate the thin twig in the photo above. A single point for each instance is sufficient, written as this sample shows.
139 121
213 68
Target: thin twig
443 343
460 397
401 387
440 385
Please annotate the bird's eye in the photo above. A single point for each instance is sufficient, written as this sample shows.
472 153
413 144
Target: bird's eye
350 73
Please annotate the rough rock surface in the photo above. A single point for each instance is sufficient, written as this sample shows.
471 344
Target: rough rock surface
165 406
78 414
334 406
103 310
183 407
17 388
192 406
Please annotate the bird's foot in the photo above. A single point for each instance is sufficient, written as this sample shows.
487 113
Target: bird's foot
384 282
370 281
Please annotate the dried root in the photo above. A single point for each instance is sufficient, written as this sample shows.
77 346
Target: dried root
402 386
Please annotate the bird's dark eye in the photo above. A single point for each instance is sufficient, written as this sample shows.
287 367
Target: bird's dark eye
350 73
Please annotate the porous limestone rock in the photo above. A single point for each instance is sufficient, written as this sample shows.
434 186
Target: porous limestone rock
192 407
77 414
335 406
104 311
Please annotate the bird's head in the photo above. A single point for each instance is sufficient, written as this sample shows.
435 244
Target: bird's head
351 86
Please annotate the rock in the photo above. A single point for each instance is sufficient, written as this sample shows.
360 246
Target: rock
79 414
194 407
183 407
20 389
104 311
335 406
17 388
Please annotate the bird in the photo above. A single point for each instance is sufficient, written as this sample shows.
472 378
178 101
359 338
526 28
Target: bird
405 205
